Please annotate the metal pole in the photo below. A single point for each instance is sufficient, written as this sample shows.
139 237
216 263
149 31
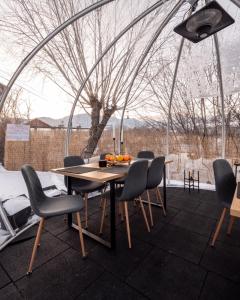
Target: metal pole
145 53
128 27
29 57
172 92
236 2
220 80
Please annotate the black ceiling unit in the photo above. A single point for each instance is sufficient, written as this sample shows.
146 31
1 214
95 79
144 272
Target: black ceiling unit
205 22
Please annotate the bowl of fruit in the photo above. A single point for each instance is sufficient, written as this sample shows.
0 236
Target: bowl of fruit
110 158
118 159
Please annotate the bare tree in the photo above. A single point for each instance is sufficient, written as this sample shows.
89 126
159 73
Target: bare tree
67 59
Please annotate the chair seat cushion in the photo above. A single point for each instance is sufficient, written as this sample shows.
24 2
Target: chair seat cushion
90 186
60 205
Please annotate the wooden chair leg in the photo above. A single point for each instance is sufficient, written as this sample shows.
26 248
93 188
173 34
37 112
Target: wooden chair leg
103 215
102 197
144 214
86 209
36 243
81 234
127 225
232 219
43 226
161 202
219 225
150 208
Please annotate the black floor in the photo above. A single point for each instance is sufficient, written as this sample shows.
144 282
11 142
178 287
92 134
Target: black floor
174 261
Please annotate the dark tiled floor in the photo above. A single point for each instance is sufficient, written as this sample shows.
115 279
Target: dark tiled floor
173 261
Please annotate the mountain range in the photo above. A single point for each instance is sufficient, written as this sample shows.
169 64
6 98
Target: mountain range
84 121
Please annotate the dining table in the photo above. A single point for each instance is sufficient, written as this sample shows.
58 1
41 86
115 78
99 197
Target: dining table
93 172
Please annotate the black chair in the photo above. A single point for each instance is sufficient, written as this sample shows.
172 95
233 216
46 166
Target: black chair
135 185
45 207
145 154
225 182
81 186
154 178
141 154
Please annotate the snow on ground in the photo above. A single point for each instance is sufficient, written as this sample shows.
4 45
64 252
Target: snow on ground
202 186
12 183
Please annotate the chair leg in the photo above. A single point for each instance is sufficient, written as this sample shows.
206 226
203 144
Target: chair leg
86 209
81 234
102 198
127 224
43 226
36 243
232 219
144 214
150 208
219 225
160 201
103 215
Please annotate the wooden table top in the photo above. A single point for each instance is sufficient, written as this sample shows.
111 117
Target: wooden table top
103 175
235 207
94 175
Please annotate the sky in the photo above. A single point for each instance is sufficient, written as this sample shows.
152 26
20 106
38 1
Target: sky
49 101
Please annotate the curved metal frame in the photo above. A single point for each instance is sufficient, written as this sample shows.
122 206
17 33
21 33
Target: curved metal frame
144 55
236 2
128 27
49 37
173 85
220 80
91 8
172 91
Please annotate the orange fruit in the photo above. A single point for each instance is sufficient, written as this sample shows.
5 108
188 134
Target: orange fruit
107 157
119 157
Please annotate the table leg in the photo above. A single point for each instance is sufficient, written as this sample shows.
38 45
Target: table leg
164 188
69 192
112 215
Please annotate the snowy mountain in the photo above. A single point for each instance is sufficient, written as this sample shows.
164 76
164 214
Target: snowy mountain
84 121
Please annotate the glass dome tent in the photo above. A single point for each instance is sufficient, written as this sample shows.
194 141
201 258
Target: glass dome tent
218 87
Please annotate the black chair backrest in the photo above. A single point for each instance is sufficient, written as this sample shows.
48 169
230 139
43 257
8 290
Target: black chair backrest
70 161
225 180
155 172
136 180
35 191
145 154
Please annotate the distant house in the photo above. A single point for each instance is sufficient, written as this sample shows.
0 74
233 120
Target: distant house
37 123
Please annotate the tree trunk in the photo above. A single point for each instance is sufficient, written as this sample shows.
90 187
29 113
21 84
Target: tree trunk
97 126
